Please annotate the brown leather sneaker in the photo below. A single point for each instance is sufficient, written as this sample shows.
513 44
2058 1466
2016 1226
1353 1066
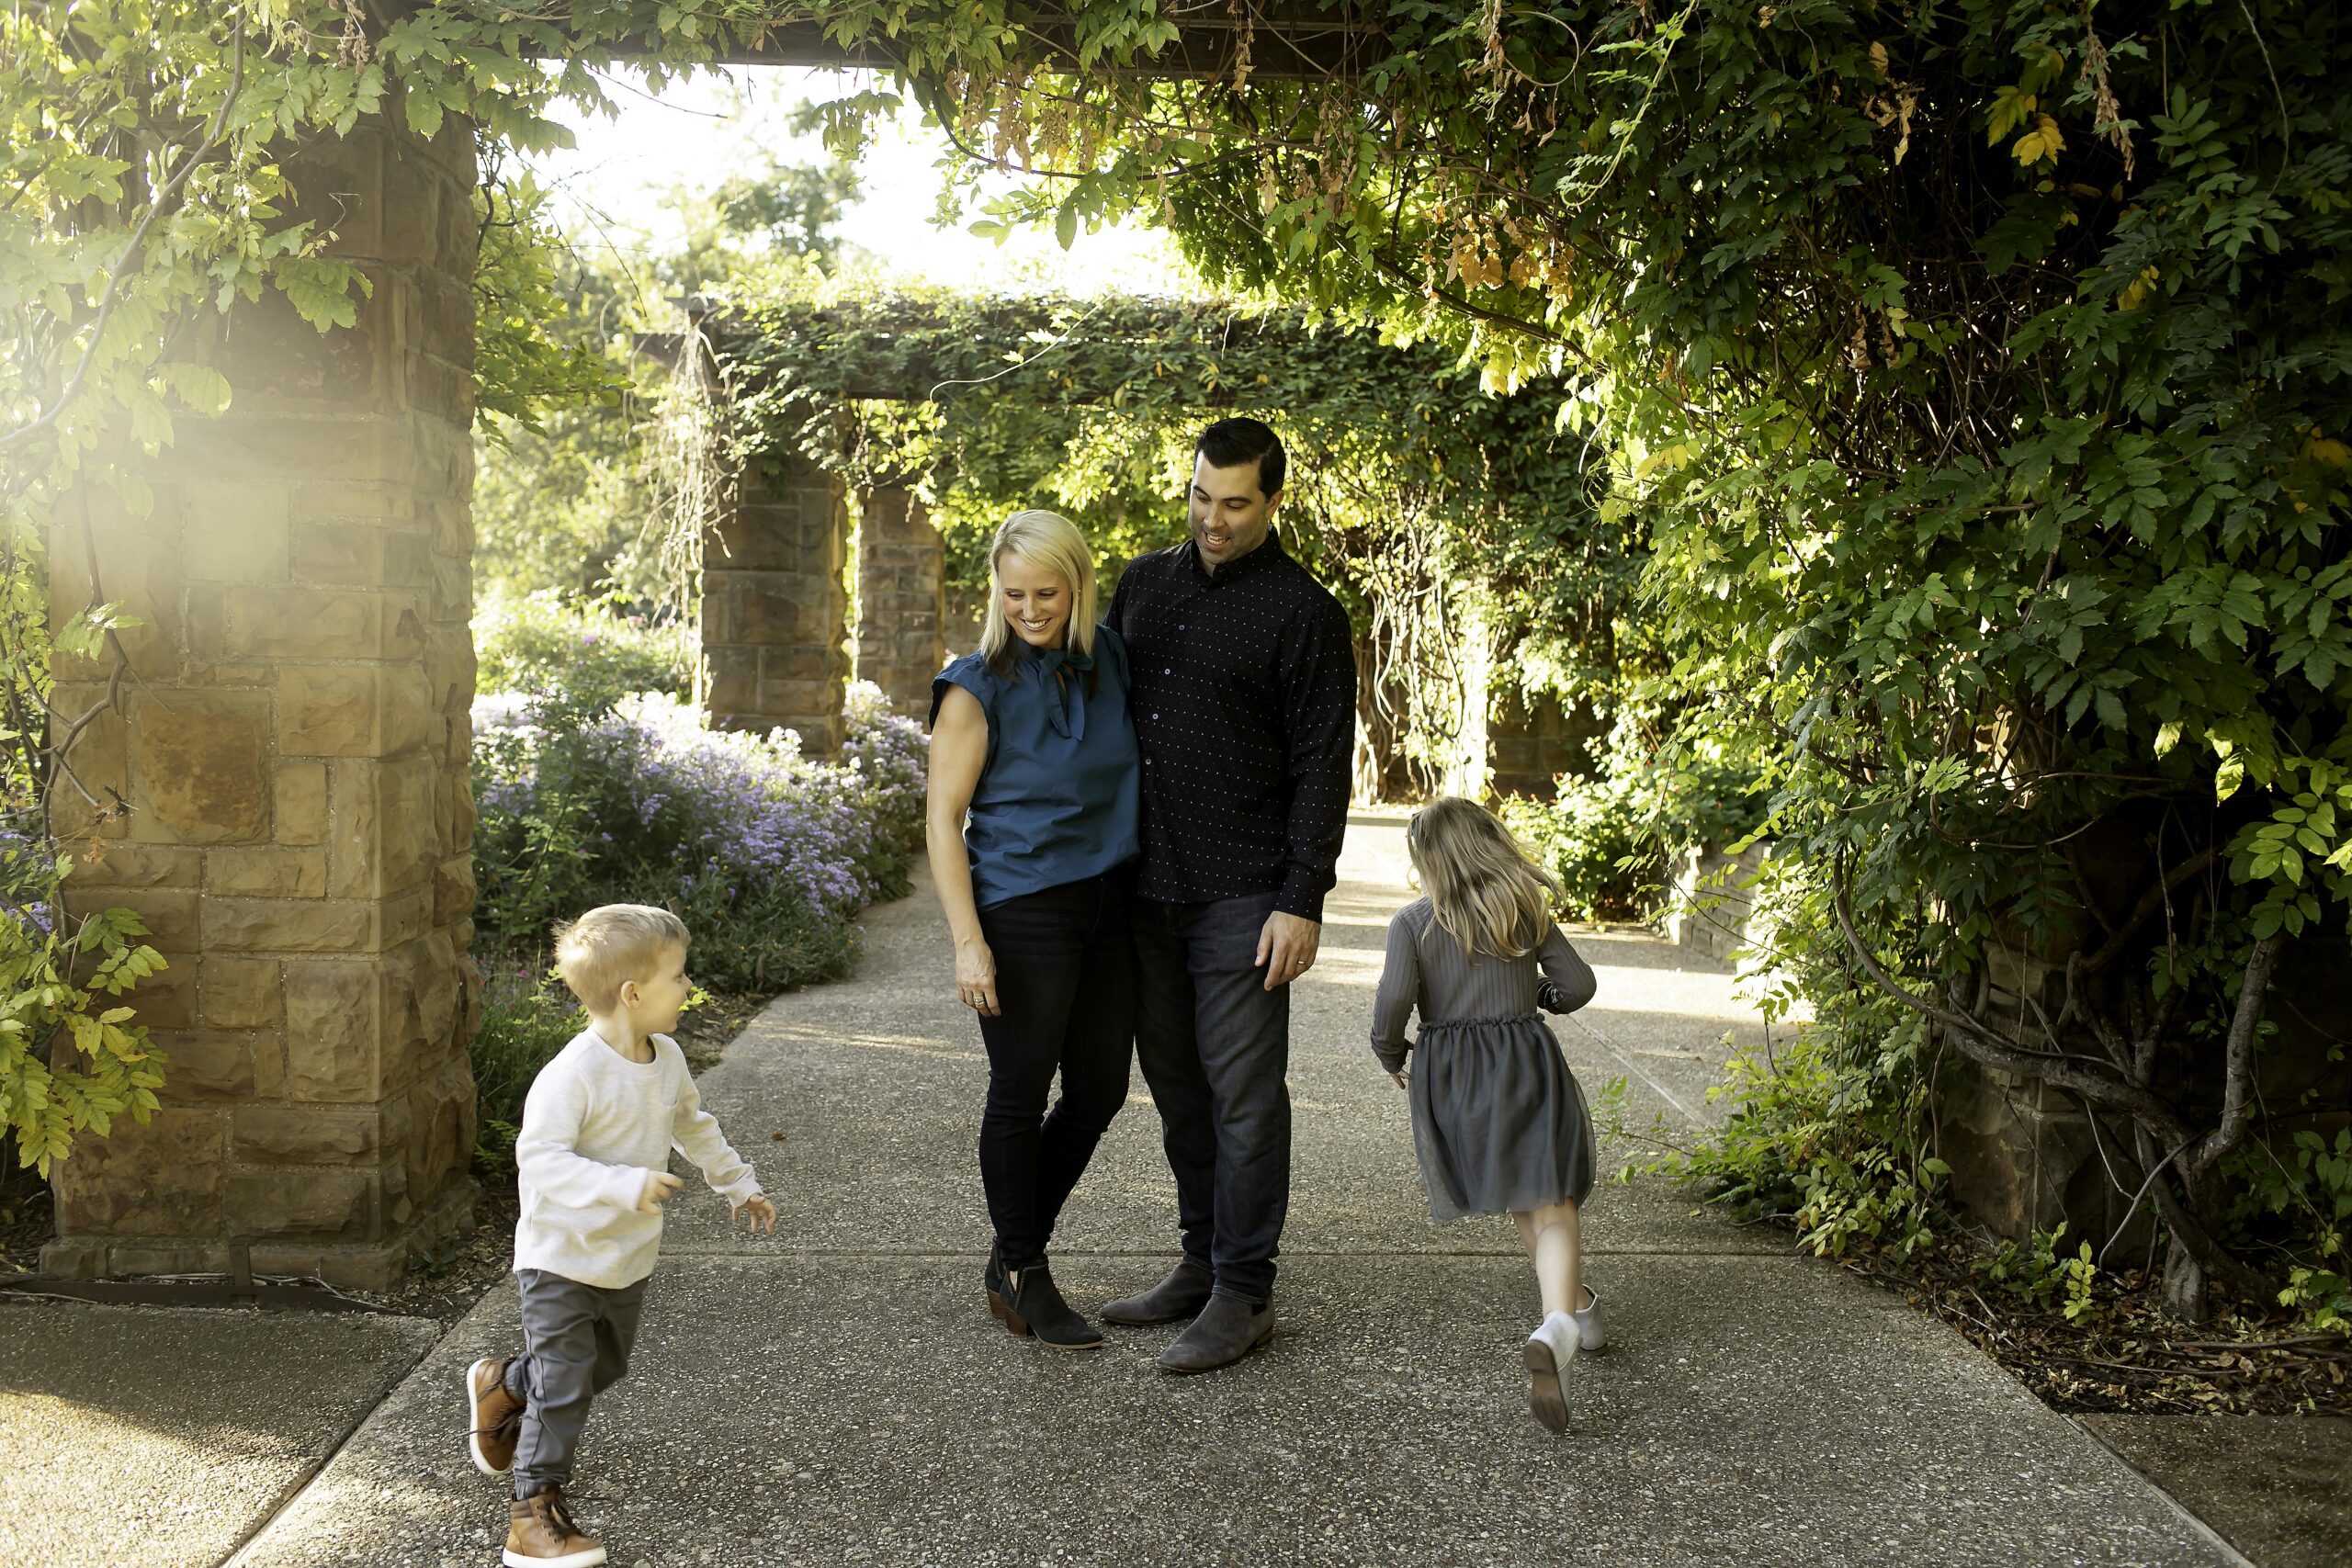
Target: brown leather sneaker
493 1416
541 1533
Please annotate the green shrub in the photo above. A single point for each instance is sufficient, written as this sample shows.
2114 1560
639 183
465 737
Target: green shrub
1827 1126
566 658
1612 839
526 1017
1590 836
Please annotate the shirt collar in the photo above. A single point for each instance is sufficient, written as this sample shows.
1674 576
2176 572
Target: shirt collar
1260 556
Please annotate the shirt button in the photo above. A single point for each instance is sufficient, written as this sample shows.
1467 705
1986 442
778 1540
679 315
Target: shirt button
1155 718
1168 671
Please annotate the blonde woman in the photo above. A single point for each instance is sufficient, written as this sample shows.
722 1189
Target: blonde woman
1497 1120
1033 832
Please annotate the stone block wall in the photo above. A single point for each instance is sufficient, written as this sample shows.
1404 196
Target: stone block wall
775 608
294 759
2025 1156
901 598
1531 744
1712 909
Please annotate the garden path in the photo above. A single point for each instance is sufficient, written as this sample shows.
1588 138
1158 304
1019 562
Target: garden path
839 1394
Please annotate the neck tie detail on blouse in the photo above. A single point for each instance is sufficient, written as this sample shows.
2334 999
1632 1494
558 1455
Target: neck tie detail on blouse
1069 721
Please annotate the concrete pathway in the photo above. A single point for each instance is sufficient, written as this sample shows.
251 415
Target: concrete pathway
164 1436
840 1395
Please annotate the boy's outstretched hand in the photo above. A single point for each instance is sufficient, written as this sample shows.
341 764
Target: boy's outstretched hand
659 1187
757 1212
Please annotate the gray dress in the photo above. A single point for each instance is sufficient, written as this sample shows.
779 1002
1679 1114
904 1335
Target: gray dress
1497 1119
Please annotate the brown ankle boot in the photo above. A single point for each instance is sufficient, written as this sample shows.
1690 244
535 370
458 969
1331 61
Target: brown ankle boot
493 1416
542 1534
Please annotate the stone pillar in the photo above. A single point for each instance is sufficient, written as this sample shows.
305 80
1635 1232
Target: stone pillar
775 607
295 761
2024 1154
1530 742
901 598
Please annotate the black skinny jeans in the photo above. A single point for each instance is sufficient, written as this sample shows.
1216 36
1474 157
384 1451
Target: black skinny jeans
1065 999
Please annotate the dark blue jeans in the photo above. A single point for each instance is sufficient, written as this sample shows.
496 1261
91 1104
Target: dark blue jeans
1215 1047
1065 992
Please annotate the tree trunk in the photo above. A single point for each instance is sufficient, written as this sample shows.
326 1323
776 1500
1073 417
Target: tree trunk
2185 1296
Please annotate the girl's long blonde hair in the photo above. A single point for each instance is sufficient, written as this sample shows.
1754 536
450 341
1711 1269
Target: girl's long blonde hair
1049 540
1488 896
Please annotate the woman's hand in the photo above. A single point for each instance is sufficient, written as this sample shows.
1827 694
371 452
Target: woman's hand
975 977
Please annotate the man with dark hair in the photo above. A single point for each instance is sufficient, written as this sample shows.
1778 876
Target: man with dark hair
1244 704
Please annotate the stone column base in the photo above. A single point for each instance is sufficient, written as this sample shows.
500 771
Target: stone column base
371 1266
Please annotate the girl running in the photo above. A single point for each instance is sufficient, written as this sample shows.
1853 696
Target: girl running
1497 1120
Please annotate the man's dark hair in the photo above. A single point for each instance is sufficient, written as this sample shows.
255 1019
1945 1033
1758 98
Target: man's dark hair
1229 443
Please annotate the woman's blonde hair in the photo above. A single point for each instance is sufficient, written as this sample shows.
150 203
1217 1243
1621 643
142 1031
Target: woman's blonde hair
611 945
1488 896
1049 541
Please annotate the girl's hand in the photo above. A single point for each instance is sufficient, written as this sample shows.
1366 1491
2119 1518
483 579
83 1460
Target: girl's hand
659 1187
758 1210
1404 1077
976 977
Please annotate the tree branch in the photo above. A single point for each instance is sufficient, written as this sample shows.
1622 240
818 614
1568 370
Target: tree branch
112 295
1986 1048
2153 899
2238 1055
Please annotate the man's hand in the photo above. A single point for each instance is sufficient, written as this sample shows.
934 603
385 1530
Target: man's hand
758 1210
1404 1077
1286 947
659 1187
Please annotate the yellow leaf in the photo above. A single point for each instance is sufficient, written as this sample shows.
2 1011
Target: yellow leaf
2324 449
2135 293
2044 140
2010 108
1877 60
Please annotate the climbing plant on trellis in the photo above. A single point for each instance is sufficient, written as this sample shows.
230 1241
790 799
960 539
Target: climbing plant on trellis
1978 374
1453 519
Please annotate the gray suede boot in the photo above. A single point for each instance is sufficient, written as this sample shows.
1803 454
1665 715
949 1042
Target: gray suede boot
1182 1292
1227 1329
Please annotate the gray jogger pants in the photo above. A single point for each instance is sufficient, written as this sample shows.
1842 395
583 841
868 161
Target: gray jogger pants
576 1342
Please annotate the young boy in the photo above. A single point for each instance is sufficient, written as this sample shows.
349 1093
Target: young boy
597 1129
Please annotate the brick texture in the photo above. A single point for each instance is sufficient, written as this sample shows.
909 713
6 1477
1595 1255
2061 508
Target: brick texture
901 598
295 762
775 608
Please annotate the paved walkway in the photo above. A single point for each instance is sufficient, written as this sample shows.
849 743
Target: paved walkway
840 1395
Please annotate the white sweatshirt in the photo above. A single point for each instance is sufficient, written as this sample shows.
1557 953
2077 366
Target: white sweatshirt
595 1126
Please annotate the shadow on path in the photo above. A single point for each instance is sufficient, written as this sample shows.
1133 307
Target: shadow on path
840 1395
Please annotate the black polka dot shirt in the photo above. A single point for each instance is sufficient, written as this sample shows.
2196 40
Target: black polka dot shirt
1244 702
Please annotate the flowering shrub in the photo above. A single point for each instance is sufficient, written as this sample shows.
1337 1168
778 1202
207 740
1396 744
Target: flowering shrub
889 750
767 855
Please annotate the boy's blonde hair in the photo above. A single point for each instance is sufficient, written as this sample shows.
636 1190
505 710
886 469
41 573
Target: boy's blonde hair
611 945
1487 895
1050 542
